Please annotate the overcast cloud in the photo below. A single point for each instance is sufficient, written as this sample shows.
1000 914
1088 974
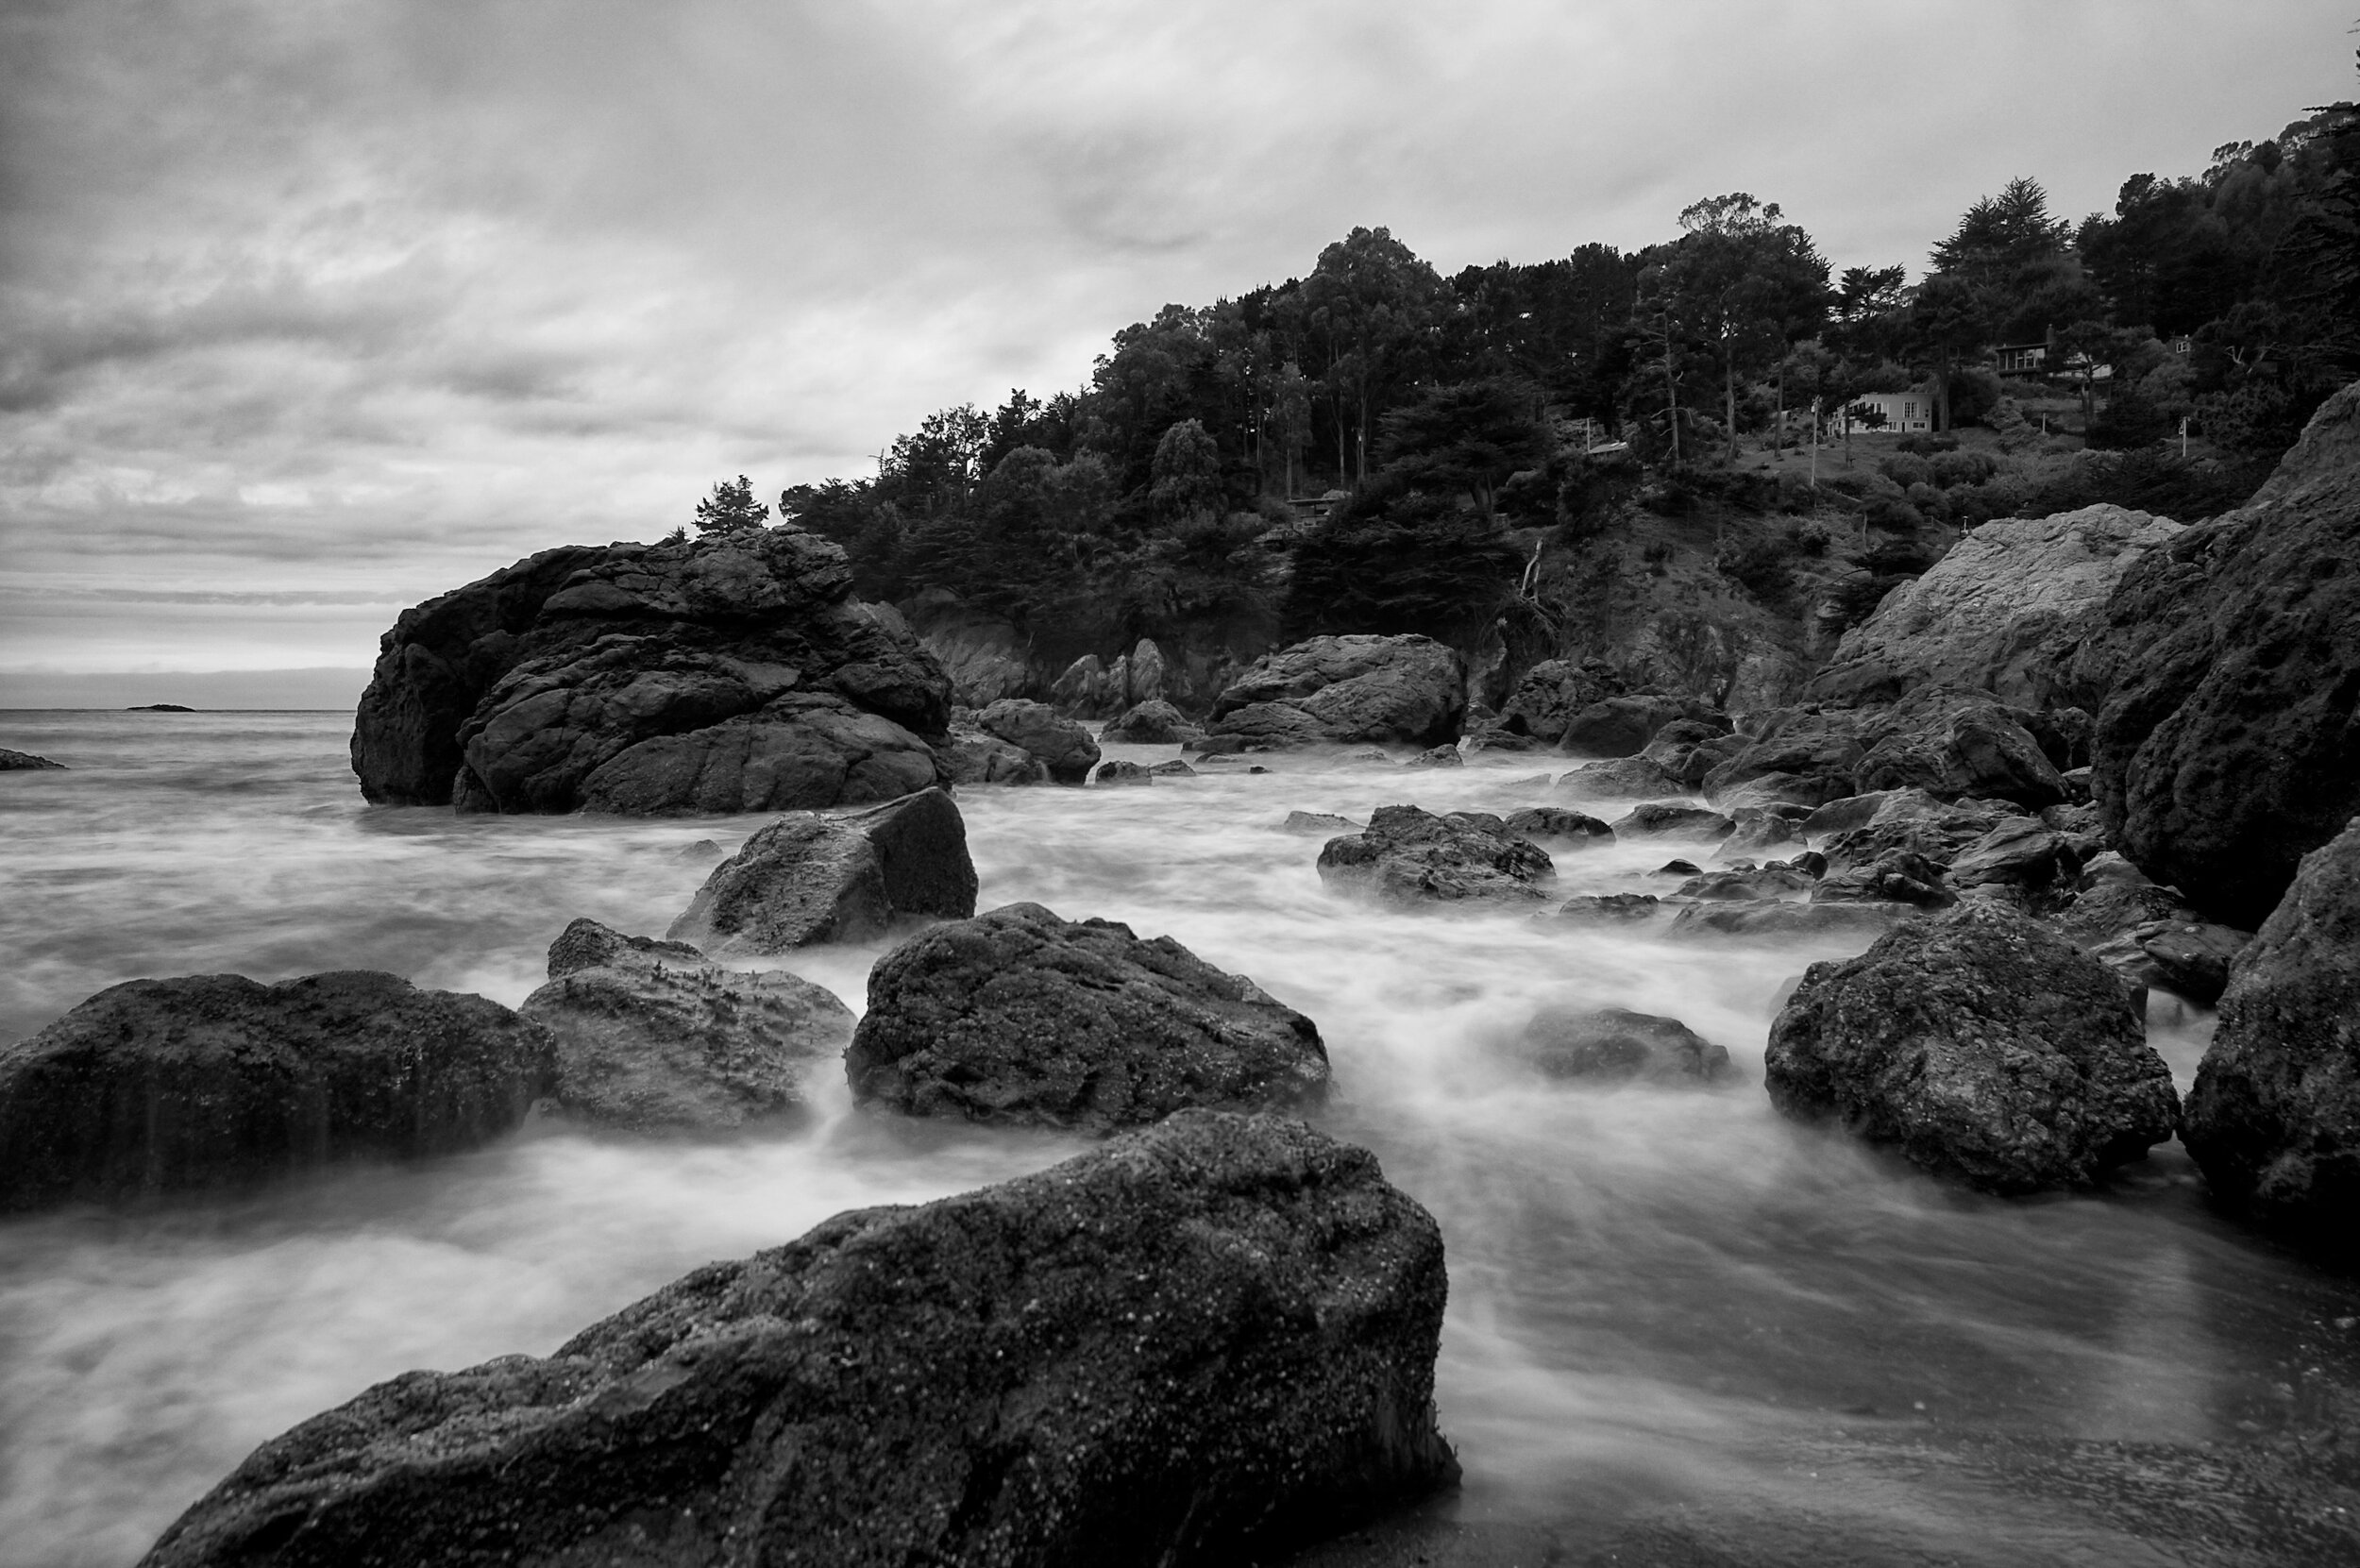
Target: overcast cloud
309 309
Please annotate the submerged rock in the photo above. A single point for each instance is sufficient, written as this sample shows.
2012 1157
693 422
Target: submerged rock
1199 1344
651 1036
1438 756
1116 773
25 762
1058 744
1979 1045
810 878
1615 1045
157 1087
1605 909
1016 1016
1409 690
1406 855
1173 768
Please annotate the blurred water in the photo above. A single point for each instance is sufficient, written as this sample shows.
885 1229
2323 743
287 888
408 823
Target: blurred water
1664 1304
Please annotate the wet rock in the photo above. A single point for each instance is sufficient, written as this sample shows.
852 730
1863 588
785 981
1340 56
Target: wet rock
1406 855
809 878
1952 743
1615 1045
1806 791
1623 726
1409 690
2188 958
1061 744
1201 1343
1551 693
1980 1046
1326 823
2020 852
1757 829
1016 1016
730 674
1605 909
210 1081
2229 746
977 758
2274 1118
1779 917
1438 756
1119 772
1857 811
1689 749
703 849
2110 909
1661 819
1765 883
651 1036
1152 723
1800 747
1173 768
1212 748
1500 741
25 762
1622 779
1577 829
1679 869
1940 836
1894 876
1810 863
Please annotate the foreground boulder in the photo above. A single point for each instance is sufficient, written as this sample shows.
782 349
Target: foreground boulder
207 1080
1059 744
1200 1344
729 673
25 762
1406 855
1980 1046
651 1037
2274 1118
1615 1045
1406 689
1624 726
1016 1016
2230 746
809 878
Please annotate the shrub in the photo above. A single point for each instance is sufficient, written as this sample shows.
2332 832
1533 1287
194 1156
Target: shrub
2128 420
1906 469
1809 540
1393 562
1897 558
1931 503
1948 469
1854 600
1925 445
2146 479
1759 565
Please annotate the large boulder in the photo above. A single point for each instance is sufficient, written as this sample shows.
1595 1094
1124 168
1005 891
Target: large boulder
1616 1045
729 673
1624 726
1154 722
2006 610
1620 779
812 877
1016 1016
1409 690
1979 1045
1550 693
1409 856
1202 1343
976 758
207 1081
1059 744
1952 742
2274 1118
2230 746
652 1037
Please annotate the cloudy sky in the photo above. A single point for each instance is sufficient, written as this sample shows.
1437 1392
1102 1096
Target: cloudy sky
311 309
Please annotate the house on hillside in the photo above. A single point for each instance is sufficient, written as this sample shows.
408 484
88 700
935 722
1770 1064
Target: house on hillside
2020 360
1903 412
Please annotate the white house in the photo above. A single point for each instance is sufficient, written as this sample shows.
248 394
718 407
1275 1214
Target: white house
1903 412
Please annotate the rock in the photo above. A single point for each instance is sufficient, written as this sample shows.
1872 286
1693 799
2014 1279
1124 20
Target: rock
1150 723
1757 829
1723 887
2110 909
1679 869
1204 1342
160 708
1953 743
1326 823
976 758
727 673
25 762
984 655
2006 610
1409 690
1803 745
703 849
1857 811
1577 829
1213 748
1894 876
1061 744
1016 1016
1478 741
2274 1118
1982 1047
1118 772
1605 909
652 1037
1550 693
1658 819
1806 792
1810 863
2188 958
1622 779
211 1081
1623 726
2230 747
1173 768
809 878
1615 1045
1438 756
1409 856
1148 675
1090 689
1779 917
2020 852
1688 749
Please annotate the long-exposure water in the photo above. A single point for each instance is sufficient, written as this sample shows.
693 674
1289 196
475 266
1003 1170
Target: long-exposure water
1680 1329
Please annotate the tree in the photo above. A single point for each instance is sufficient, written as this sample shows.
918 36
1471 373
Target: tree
1372 302
1743 285
1949 321
1466 437
731 509
1186 486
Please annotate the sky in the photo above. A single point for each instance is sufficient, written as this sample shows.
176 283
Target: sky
311 309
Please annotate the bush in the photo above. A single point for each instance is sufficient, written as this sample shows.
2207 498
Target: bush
1974 393
1925 445
1810 540
1893 514
1931 503
1906 469
2147 479
1855 599
2127 421
1759 565
1393 562
1897 558
1955 468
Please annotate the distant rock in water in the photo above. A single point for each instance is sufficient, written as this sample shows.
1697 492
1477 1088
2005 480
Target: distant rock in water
1324 824
1409 856
812 877
1056 743
1150 723
24 761
730 673
1109 775
975 757
158 1087
1200 1344
1623 726
160 708
1979 1045
1615 1045
1621 779
651 1036
1409 690
2230 747
1016 1016
1577 830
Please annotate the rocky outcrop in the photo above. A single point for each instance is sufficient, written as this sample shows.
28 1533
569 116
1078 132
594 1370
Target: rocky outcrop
1982 1047
812 877
1952 743
1551 692
651 1037
158 1087
1605 909
2231 745
1413 857
2007 611
1623 726
1058 744
1202 1343
1615 1045
983 656
25 762
1409 690
1016 1016
1620 779
1663 820
975 757
1154 722
1107 775
729 673
2274 1118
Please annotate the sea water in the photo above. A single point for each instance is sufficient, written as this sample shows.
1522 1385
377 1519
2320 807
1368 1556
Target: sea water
1678 1323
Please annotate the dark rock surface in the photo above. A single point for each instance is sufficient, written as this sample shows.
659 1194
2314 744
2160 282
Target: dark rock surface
1606 909
25 762
1173 768
2231 745
2188 958
1196 1345
1409 690
811 878
1758 828
652 1037
206 1081
1663 820
2274 1117
1952 743
1783 919
1621 779
1982 1047
1615 1045
1409 856
1577 830
2022 851
1623 726
1118 773
1016 1016
726 674
1150 723
1059 744
1689 749
1438 756
1765 882
1326 823
975 757
1549 694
